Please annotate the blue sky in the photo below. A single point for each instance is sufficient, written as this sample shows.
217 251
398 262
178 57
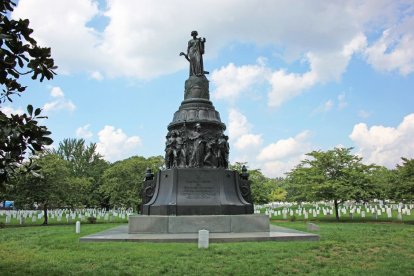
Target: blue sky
287 77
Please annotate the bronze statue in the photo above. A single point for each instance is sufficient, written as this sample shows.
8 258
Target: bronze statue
180 152
223 151
199 147
195 51
169 156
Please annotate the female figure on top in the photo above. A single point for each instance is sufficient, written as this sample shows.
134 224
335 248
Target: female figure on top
195 51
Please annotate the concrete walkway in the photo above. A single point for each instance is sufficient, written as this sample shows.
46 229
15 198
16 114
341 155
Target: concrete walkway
277 233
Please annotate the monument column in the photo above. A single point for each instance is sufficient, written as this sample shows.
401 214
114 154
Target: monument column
196 180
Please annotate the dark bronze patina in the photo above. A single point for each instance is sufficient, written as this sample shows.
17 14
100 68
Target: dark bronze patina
196 180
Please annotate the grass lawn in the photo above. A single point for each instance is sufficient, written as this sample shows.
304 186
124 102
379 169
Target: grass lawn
344 249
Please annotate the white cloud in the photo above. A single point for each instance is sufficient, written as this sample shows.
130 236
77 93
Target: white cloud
231 81
385 145
61 103
96 75
56 92
280 157
288 85
324 66
340 103
8 110
139 38
248 141
324 107
279 168
84 132
394 50
244 143
274 159
238 124
285 148
114 144
62 25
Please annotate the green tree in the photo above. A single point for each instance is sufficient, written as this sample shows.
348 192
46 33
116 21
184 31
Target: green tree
19 51
50 190
80 156
87 167
403 186
264 189
278 194
385 180
122 181
334 175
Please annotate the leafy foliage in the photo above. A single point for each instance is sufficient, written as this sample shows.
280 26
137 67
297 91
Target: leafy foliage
19 51
263 189
332 175
403 188
87 167
51 189
123 180
18 135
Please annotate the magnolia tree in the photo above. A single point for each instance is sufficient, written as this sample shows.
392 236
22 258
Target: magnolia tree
20 55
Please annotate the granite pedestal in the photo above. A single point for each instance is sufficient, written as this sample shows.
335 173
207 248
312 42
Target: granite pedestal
192 224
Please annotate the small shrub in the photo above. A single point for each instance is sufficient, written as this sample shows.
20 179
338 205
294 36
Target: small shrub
293 218
92 220
2 225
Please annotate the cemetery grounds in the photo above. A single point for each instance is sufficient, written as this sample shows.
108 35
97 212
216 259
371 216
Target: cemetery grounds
370 239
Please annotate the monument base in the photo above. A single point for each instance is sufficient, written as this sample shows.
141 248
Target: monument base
139 224
196 191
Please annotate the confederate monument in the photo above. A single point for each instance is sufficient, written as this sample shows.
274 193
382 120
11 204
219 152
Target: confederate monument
196 180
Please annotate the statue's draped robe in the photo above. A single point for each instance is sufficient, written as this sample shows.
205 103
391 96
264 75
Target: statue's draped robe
195 53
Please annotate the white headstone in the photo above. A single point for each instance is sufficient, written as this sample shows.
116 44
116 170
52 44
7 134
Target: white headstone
34 219
362 214
389 213
8 219
203 238
78 227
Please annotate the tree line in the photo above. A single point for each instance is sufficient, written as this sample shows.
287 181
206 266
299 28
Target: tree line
75 175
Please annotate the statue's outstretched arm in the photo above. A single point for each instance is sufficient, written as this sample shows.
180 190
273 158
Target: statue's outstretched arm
185 55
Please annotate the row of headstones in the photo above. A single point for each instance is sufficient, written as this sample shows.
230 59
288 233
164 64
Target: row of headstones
347 204
23 215
361 210
61 212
